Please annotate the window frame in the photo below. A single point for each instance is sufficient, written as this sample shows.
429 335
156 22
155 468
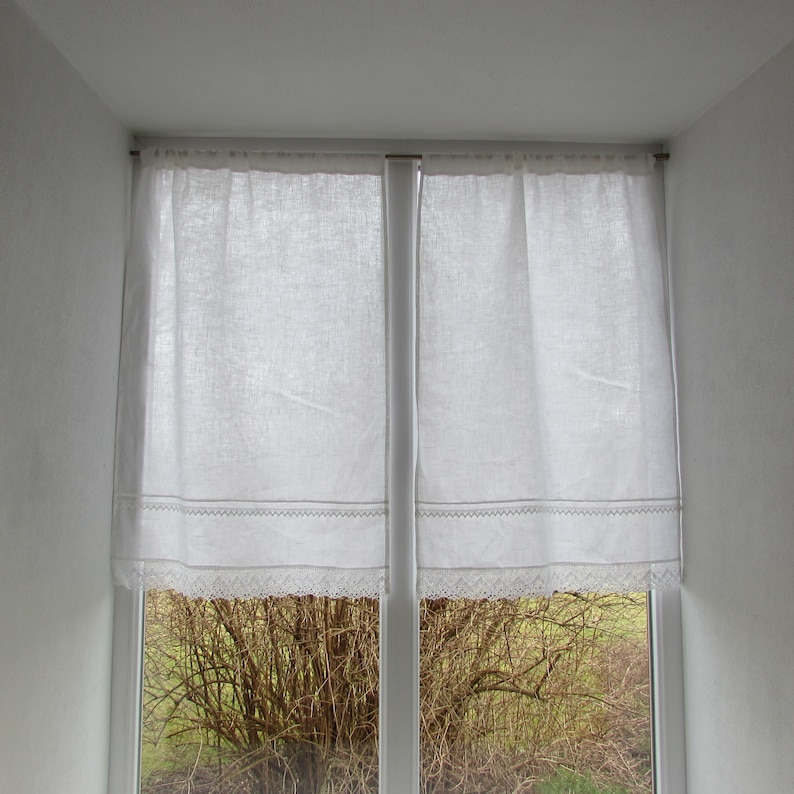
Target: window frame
668 741
398 756
667 695
126 696
399 657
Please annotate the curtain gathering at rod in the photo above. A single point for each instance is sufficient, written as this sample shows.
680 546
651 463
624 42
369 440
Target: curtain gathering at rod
659 157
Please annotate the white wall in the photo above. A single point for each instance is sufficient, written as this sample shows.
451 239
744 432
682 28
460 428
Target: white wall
63 172
63 183
730 194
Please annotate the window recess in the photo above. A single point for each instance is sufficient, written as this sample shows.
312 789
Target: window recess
520 308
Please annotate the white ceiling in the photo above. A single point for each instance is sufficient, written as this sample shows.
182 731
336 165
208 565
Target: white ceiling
585 70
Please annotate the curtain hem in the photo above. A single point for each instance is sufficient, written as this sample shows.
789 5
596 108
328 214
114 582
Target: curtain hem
494 583
212 582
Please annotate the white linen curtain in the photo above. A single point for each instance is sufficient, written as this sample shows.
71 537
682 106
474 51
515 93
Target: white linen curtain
252 441
546 414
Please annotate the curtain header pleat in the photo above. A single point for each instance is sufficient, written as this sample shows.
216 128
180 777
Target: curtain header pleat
271 162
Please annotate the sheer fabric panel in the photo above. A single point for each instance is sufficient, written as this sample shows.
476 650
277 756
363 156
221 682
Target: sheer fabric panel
251 440
546 415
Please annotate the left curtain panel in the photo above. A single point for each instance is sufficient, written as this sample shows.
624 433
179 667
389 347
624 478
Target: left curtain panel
251 438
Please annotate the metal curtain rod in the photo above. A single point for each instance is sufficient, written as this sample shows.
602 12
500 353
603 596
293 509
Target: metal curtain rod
137 153
660 157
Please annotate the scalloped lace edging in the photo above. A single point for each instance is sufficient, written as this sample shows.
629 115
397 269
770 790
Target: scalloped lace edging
205 582
428 510
371 582
216 510
526 582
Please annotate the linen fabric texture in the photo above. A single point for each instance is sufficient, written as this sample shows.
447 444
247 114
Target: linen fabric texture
251 433
547 431
252 428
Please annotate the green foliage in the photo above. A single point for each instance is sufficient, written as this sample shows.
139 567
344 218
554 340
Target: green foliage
565 781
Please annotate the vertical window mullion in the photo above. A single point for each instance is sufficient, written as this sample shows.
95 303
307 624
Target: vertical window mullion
399 673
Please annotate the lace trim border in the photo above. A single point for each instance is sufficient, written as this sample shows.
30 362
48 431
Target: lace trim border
526 582
422 510
206 582
496 583
227 511
547 508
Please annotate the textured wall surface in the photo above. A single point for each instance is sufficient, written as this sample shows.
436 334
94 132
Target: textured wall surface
63 186
730 213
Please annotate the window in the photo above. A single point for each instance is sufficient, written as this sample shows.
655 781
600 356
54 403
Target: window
260 695
282 694
471 322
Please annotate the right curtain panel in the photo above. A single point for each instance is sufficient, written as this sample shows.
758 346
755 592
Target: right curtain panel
547 451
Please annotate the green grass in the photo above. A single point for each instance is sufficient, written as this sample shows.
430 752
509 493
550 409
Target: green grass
565 781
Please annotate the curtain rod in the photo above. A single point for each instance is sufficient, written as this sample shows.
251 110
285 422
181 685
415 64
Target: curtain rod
137 153
660 157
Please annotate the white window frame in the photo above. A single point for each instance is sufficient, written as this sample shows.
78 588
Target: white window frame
399 614
399 665
668 749
399 705
126 695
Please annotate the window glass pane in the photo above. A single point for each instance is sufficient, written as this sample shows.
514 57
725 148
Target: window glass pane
247 696
542 695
